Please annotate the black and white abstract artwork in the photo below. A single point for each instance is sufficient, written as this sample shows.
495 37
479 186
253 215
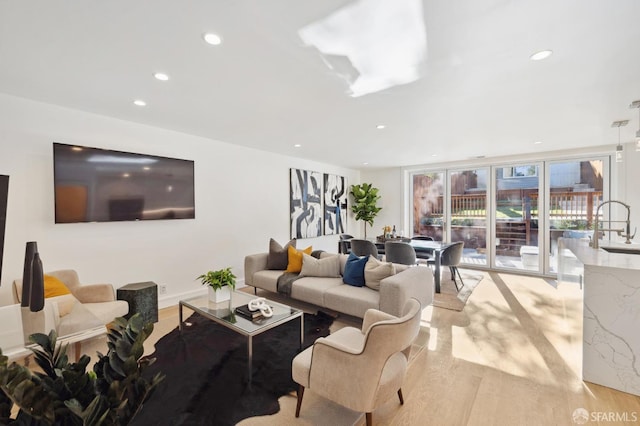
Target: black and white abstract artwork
335 204
306 204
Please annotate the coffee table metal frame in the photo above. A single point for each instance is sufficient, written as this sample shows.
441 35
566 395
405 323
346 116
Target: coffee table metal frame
223 314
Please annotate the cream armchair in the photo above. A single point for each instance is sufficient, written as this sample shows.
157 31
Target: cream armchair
360 369
75 317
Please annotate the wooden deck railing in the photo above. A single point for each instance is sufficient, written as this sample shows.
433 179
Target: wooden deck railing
563 205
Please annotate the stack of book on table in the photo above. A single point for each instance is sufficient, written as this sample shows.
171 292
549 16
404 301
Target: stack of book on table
247 313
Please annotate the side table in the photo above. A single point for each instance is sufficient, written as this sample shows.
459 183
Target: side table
142 298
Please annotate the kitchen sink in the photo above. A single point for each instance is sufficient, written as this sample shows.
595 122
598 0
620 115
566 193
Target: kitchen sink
622 250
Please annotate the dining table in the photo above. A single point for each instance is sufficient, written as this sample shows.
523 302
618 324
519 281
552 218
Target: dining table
425 249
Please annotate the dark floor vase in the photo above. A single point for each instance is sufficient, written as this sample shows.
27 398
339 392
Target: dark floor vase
32 279
30 250
36 301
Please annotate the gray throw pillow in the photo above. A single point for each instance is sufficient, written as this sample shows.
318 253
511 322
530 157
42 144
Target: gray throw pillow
325 267
278 257
375 271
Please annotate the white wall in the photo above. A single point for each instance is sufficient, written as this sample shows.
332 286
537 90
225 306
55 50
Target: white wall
389 182
242 199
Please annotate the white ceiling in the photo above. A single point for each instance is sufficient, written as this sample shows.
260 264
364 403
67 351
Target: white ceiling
477 92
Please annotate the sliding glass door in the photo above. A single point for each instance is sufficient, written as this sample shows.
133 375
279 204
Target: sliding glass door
575 188
468 212
428 206
510 216
516 221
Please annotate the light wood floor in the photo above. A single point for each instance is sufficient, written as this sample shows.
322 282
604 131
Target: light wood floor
512 357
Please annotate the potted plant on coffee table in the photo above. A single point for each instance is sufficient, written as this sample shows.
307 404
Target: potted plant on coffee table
220 284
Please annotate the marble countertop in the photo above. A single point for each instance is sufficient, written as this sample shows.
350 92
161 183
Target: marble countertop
599 257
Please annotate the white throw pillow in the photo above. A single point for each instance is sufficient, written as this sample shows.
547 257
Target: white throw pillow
375 271
325 267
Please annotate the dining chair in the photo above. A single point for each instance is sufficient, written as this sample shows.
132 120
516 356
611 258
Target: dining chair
344 244
364 248
451 257
400 252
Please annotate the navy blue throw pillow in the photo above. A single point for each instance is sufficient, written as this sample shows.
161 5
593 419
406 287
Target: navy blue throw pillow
354 270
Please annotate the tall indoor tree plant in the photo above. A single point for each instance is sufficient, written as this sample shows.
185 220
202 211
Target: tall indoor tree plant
365 199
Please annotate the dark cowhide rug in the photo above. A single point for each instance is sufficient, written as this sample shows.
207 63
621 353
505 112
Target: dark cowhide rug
206 372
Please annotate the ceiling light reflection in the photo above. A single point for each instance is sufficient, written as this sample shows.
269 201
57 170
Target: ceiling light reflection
372 44
543 54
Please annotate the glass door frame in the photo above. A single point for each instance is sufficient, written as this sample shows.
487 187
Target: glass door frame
449 213
410 215
544 189
606 190
541 215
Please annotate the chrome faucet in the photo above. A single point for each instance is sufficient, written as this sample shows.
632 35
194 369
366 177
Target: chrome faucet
596 231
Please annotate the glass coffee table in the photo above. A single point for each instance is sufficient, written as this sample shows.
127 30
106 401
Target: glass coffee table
224 314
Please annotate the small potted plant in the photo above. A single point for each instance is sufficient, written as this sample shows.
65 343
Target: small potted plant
220 284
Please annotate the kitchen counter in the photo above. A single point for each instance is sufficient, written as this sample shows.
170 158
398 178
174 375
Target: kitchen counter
611 316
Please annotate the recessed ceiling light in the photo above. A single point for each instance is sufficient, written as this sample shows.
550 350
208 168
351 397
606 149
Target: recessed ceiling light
139 102
365 163
297 145
380 126
213 39
543 54
537 142
434 155
161 76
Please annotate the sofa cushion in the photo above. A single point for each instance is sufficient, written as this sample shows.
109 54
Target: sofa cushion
295 258
342 259
325 267
375 271
266 280
313 289
65 303
278 257
354 270
54 287
351 300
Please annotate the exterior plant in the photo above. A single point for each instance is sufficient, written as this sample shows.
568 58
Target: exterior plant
66 393
365 199
218 279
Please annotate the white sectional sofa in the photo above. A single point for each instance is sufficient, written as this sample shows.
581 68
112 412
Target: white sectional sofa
332 293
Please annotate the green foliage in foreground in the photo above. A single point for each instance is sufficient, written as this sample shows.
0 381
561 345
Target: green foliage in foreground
66 393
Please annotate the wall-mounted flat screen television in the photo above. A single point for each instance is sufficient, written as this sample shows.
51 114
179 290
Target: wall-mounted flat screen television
101 185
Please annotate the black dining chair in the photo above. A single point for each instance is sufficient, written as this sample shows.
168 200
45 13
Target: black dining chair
451 257
400 252
364 248
344 245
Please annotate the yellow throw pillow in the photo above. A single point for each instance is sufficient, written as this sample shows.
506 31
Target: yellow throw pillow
295 258
54 287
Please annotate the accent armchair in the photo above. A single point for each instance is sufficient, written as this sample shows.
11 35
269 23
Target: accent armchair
360 369
83 313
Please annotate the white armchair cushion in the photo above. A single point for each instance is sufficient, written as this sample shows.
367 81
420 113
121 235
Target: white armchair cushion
63 304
